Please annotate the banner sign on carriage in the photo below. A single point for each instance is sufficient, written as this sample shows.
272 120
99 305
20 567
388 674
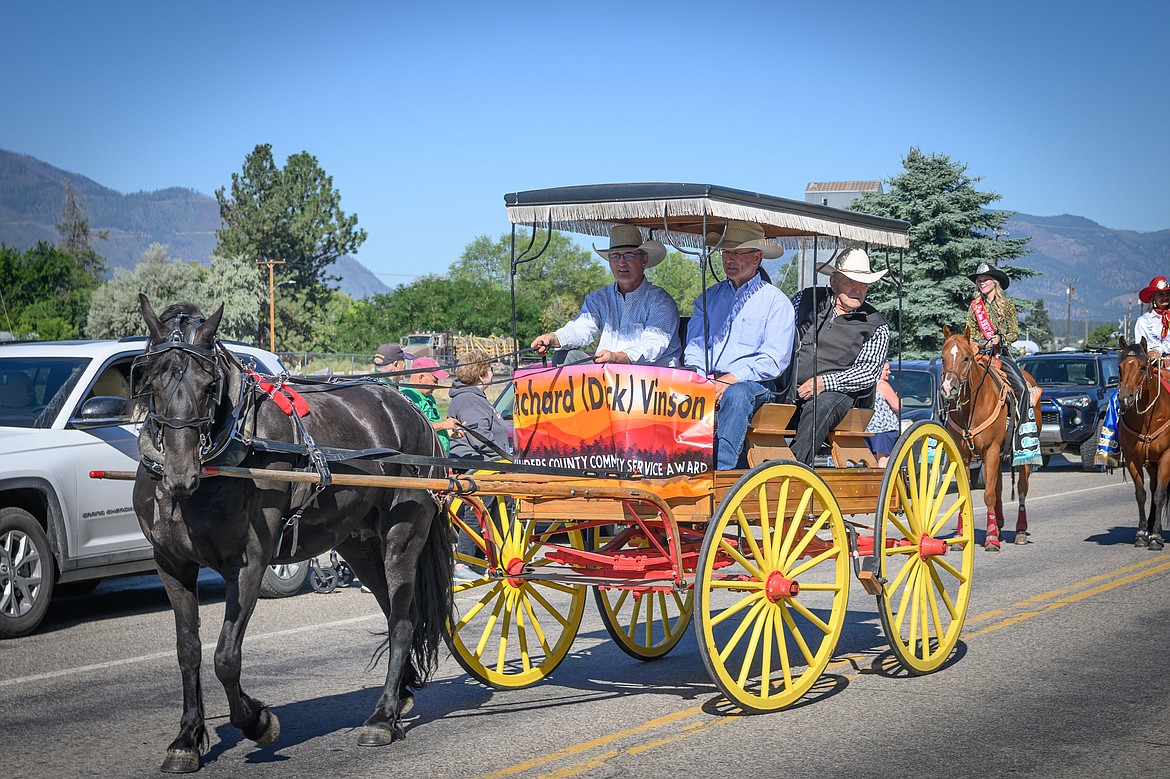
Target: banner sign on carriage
659 422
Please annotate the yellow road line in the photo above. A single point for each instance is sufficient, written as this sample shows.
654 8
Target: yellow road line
1140 571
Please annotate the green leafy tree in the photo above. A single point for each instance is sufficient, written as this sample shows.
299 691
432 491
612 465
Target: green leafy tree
433 303
559 278
291 214
951 232
45 292
679 275
114 310
1104 335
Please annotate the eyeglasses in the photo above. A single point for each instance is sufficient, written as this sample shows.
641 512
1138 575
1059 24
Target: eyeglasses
739 254
626 256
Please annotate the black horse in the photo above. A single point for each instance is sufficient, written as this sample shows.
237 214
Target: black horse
203 409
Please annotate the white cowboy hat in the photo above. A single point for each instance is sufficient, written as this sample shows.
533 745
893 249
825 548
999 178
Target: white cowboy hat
744 235
628 238
854 264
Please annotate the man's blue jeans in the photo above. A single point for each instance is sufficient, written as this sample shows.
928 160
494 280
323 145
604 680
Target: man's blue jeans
736 408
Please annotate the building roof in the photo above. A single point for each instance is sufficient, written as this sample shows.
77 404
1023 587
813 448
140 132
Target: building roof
843 186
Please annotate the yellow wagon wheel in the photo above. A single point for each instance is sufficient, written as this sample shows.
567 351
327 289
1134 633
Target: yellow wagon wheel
645 624
924 550
511 632
772 585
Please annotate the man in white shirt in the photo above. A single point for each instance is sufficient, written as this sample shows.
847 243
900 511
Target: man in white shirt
632 320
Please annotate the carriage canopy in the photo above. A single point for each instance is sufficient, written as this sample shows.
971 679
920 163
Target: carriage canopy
681 213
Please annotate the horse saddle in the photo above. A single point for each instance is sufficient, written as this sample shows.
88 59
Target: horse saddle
996 366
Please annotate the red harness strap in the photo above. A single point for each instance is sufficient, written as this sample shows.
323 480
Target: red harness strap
286 398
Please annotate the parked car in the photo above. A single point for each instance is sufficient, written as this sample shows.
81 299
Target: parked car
916 383
63 413
1076 387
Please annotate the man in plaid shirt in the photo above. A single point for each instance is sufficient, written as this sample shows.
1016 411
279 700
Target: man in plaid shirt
842 344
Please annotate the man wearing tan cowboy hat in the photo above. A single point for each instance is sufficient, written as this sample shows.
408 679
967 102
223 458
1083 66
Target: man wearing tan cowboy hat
746 343
632 320
842 344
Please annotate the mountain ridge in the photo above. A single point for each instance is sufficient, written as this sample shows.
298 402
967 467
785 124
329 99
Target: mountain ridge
185 220
1108 265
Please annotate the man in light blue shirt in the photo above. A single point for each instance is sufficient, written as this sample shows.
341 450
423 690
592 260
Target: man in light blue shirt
747 345
632 320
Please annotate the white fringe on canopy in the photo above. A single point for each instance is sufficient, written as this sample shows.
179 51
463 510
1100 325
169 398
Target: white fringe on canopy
597 218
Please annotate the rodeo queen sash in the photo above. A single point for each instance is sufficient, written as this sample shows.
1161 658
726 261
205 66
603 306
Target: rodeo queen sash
658 422
982 319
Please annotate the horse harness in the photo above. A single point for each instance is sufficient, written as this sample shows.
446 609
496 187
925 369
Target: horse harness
968 433
1146 439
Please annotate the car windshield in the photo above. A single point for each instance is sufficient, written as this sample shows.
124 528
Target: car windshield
914 390
33 389
1052 372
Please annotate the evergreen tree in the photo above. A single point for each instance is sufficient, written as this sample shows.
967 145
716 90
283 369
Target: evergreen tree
291 214
1036 322
951 232
76 235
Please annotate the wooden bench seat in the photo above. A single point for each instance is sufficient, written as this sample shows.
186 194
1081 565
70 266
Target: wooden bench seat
767 436
847 440
768 433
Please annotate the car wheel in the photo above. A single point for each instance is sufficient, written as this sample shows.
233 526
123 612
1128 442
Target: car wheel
281 581
1089 452
27 573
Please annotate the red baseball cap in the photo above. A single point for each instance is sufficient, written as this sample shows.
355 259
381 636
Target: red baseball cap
428 365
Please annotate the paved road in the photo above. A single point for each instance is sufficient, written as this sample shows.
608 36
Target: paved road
1060 673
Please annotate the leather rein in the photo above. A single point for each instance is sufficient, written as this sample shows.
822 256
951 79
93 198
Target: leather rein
967 432
1145 439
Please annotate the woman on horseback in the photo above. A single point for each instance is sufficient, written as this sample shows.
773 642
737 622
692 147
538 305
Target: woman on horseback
1154 326
992 321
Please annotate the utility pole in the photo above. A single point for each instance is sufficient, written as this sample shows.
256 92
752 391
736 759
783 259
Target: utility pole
271 300
1068 294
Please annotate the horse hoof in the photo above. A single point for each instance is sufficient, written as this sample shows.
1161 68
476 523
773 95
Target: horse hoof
1143 539
405 704
1155 543
991 546
1021 538
272 732
180 761
379 735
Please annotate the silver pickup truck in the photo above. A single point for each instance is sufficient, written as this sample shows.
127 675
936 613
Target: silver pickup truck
63 413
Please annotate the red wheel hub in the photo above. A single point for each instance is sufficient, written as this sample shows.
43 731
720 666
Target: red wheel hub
931 547
514 568
777 587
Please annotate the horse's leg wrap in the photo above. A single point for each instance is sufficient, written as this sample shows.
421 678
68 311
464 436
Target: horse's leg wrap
1022 523
991 543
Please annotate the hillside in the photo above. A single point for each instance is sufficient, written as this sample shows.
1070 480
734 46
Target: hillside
1110 265
31 194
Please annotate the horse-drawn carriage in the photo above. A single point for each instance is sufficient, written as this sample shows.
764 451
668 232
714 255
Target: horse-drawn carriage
759 559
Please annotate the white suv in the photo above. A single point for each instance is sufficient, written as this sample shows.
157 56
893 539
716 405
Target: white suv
64 413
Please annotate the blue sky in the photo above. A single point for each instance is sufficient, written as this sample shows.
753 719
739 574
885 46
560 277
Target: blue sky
426 114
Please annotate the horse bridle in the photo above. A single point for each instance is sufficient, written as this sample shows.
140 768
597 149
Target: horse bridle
209 355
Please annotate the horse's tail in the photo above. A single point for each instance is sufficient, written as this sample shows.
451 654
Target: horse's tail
434 598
